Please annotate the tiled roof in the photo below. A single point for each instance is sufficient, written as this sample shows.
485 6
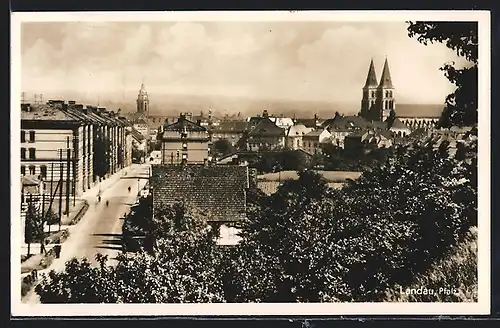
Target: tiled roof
45 112
217 191
314 133
308 122
347 123
184 124
230 126
298 130
397 124
266 128
136 134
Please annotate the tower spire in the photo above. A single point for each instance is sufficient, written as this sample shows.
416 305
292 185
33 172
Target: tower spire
371 79
385 80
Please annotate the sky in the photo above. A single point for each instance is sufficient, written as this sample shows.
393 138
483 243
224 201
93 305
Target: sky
321 61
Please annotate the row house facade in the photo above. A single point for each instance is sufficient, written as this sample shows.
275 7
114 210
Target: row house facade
57 143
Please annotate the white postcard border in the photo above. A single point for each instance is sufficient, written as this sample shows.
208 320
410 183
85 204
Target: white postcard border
325 309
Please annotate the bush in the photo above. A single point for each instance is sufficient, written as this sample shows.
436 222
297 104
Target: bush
58 237
26 285
456 272
307 243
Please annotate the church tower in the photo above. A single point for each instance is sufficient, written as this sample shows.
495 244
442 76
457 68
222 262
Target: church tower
385 94
369 93
142 100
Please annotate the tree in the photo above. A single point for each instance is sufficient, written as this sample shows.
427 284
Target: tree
309 243
462 37
184 266
223 147
33 229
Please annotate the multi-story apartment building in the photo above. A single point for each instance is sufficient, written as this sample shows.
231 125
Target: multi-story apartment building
185 142
57 143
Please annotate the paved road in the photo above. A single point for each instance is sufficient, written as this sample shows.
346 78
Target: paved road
99 231
103 233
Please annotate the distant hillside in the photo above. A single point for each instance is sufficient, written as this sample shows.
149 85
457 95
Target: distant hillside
418 110
171 105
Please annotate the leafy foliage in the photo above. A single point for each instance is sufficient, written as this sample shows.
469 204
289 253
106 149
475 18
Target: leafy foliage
182 267
462 37
338 159
282 160
223 147
33 229
306 243
453 278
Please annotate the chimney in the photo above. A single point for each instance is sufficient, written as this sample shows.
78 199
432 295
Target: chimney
264 113
182 117
71 102
198 122
166 120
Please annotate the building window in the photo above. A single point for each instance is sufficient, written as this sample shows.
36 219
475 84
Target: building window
43 171
23 170
32 153
184 156
32 136
373 94
23 153
185 146
32 170
387 94
23 136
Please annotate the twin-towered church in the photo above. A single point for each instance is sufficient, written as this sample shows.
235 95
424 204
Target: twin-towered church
378 97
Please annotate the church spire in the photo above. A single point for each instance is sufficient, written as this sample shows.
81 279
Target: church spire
371 79
385 81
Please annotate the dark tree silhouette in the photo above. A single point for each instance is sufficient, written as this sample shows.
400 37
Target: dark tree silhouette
462 37
223 147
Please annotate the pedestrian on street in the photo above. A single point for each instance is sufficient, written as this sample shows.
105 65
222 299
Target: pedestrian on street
57 250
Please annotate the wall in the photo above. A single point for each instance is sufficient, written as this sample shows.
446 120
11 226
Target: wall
197 151
46 145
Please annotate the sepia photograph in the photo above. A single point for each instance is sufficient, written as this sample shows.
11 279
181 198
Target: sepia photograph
250 163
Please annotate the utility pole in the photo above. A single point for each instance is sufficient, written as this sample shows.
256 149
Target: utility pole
60 186
74 169
68 158
51 183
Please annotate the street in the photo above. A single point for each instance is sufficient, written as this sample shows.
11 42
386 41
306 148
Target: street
99 231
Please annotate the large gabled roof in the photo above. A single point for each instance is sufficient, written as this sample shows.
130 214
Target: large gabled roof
183 124
266 128
219 191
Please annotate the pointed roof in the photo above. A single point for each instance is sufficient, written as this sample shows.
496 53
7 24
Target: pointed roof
385 80
371 79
